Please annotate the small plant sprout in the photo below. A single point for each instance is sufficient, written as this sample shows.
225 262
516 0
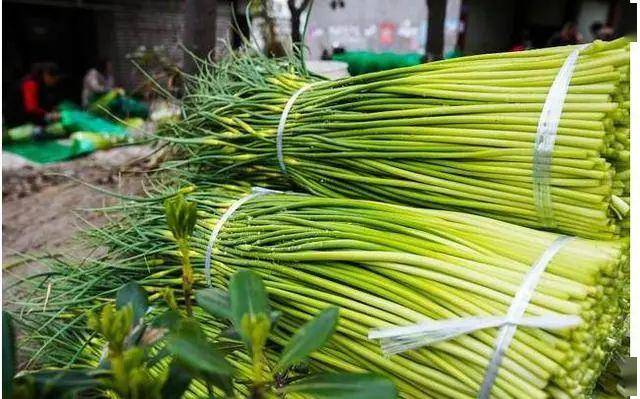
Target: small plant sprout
181 218
120 325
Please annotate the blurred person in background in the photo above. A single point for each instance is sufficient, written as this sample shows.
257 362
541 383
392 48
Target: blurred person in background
606 33
97 81
601 31
594 29
523 42
568 35
38 93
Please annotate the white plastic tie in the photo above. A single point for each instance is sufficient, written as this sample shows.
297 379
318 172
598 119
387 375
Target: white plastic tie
255 192
516 311
283 122
546 137
394 340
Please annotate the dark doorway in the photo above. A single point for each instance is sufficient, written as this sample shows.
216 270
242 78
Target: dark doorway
35 33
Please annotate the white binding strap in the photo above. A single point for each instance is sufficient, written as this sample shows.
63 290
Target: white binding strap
516 311
255 192
546 137
395 340
283 122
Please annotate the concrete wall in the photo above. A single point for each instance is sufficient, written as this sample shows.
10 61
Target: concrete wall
224 22
489 25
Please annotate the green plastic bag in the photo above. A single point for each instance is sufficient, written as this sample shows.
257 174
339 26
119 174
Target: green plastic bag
117 103
76 120
102 103
86 142
20 133
31 132
127 107
55 130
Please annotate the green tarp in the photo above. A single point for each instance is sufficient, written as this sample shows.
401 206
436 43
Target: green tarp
364 62
49 151
89 133
43 151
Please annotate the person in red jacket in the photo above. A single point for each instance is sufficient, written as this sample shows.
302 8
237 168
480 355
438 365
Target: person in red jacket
38 99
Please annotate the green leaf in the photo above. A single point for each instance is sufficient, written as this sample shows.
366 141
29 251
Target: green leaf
231 332
197 354
131 293
55 384
177 382
170 320
215 302
344 386
249 303
310 337
248 297
192 348
8 355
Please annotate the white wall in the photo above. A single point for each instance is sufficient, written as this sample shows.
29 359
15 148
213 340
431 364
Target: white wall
358 26
451 25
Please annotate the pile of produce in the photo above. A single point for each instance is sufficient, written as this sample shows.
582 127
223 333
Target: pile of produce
414 202
457 134
387 265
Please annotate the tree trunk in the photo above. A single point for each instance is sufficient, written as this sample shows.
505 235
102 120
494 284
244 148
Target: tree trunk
435 28
296 13
199 30
296 37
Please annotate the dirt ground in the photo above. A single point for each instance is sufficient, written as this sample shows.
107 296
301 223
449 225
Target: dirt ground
41 204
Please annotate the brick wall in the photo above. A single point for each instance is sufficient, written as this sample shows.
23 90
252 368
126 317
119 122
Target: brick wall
152 23
140 23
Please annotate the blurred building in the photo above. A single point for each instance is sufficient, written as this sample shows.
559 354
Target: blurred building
472 26
495 25
368 25
75 32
